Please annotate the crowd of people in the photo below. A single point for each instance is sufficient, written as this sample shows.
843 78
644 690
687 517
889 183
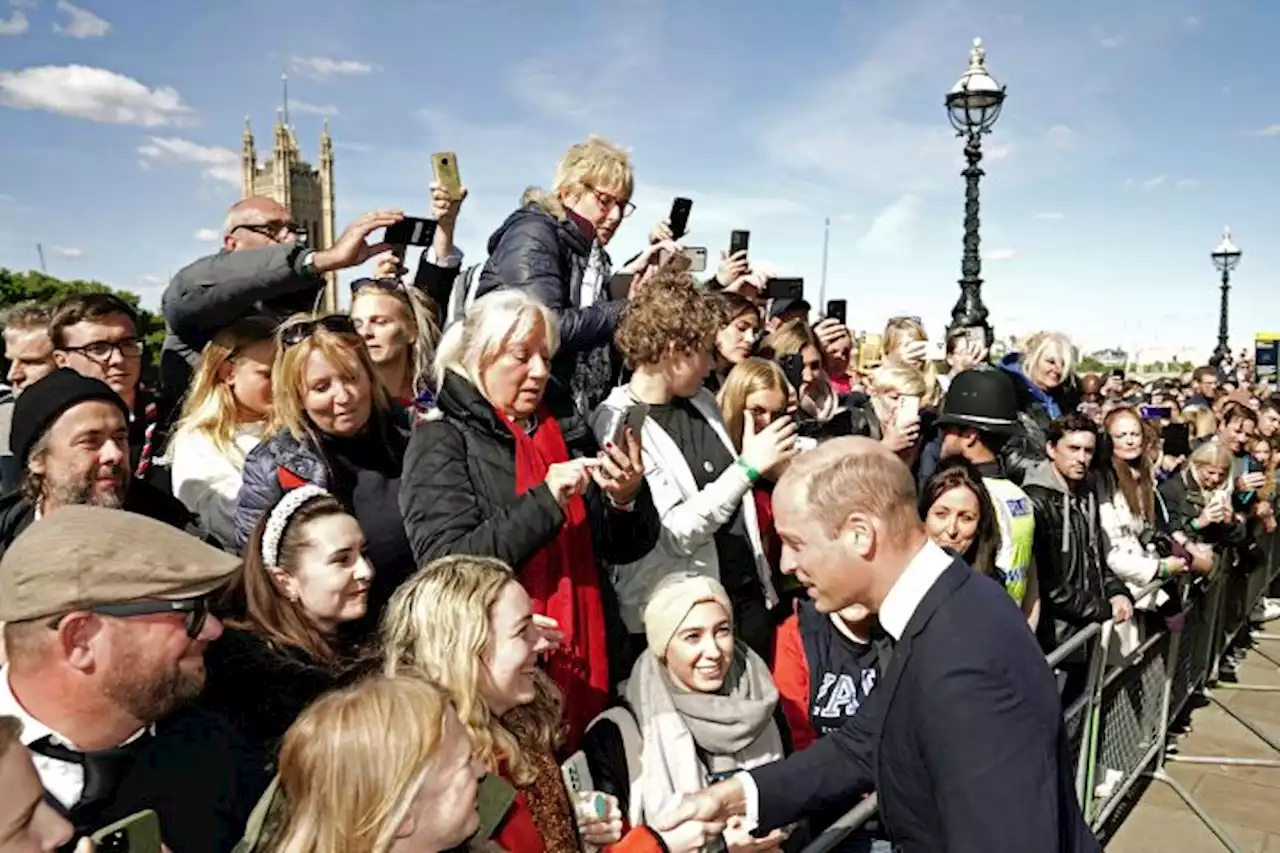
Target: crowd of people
548 555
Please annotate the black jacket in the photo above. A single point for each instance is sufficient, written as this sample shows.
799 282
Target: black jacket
1076 585
963 737
458 496
542 250
1184 500
17 513
260 688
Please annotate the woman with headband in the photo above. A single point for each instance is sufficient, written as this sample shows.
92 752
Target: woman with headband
304 577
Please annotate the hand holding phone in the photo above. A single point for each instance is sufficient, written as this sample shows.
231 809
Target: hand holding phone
411 231
633 419
908 412
739 241
838 309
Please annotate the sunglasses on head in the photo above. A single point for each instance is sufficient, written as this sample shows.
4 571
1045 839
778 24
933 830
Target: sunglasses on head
339 324
390 285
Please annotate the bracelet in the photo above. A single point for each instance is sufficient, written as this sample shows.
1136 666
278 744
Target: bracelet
752 473
1162 570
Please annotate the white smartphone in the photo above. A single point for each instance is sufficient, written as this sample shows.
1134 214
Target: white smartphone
908 410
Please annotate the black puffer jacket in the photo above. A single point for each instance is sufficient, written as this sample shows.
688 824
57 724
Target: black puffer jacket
540 248
458 493
1071 563
1036 410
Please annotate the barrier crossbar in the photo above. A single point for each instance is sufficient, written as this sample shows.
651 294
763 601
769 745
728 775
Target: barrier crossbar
1119 728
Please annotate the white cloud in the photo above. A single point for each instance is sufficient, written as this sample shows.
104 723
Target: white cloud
208 235
1191 23
1050 215
23 4
68 252
323 66
997 153
893 229
310 109
1108 41
81 23
1060 137
6 198
1000 255
15 25
95 94
1269 130
152 280
1186 184
1155 183
216 164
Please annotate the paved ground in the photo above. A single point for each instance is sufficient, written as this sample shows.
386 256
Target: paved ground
1244 800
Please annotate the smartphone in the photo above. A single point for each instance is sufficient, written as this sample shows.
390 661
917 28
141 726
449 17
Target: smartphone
739 241
870 351
411 231
804 442
633 418
908 410
838 309
793 368
445 166
784 288
577 774
697 256
137 833
1155 413
680 208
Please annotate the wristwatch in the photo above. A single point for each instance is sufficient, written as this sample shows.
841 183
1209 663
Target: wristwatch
308 263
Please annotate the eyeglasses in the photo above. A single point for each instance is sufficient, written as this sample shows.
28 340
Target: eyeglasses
339 324
196 611
101 351
276 231
608 202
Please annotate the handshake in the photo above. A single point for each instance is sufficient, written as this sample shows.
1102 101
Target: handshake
698 820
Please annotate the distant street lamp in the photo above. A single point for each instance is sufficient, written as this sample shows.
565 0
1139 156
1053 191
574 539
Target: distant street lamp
1225 258
973 105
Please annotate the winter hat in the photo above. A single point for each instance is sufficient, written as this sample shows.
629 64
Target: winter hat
41 404
672 599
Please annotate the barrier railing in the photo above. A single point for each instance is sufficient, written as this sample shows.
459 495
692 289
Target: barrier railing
1119 728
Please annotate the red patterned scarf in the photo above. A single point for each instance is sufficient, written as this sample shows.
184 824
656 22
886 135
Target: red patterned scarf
564 583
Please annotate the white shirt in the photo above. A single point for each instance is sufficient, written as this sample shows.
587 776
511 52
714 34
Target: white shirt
62 779
895 613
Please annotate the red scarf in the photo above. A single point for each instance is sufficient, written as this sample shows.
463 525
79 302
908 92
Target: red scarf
564 582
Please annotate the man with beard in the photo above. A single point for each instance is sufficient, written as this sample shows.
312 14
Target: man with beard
107 619
71 438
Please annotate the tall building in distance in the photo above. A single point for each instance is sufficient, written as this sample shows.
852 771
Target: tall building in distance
287 178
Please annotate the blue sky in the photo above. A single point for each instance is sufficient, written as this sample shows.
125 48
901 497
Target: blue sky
1133 132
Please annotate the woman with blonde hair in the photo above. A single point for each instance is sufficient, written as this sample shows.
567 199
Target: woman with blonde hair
906 340
467 623
1204 424
334 426
756 391
815 398
383 766
553 246
223 418
507 467
1044 376
399 328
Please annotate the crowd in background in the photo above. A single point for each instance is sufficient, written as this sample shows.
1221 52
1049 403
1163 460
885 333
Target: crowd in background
491 558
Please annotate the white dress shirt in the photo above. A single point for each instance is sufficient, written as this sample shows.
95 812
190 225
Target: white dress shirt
895 613
64 780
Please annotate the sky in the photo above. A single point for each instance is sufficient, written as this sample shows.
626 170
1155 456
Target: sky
1132 134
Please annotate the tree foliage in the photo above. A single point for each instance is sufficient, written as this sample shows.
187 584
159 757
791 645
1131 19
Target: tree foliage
33 286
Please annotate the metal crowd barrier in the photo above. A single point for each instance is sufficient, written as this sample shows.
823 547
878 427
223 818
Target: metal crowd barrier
1119 728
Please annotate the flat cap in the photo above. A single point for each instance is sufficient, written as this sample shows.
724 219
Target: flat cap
79 557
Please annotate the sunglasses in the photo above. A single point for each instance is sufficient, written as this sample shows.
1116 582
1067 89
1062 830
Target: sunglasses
338 324
196 611
389 285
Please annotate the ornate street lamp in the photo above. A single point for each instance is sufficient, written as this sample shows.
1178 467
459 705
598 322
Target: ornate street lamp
1225 258
973 105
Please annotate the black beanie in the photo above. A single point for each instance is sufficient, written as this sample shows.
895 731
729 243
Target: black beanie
41 404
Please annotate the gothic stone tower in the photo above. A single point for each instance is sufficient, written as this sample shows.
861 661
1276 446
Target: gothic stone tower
308 193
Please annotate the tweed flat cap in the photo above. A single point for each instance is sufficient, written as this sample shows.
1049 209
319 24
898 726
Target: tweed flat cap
79 557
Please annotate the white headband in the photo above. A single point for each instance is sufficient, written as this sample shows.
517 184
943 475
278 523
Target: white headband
278 520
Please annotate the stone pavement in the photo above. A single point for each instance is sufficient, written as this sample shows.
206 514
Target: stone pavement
1245 801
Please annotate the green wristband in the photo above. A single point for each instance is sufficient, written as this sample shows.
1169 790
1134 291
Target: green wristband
752 473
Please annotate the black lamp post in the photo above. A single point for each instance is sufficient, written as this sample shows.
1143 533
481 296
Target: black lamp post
973 106
1225 258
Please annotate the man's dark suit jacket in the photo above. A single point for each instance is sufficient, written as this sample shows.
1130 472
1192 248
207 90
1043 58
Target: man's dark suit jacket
962 738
